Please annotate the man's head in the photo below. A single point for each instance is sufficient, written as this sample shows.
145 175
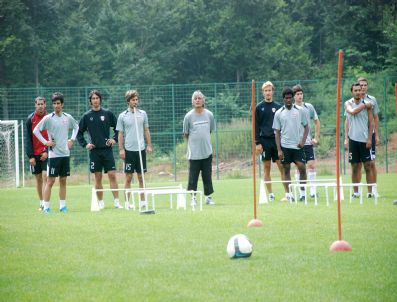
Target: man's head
364 84
57 101
95 95
198 99
287 94
132 98
355 89
40 104
298 94
267 91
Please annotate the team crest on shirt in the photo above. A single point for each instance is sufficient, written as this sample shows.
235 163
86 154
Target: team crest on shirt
102 118
91 118
273 110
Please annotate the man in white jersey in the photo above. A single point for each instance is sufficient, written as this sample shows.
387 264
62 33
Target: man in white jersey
129 144
287 124
360 126
198 125
310 141
375 135
57 125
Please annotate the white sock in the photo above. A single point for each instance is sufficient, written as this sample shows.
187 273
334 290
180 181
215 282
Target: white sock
41 203
302 192
46 204
116 201
297 175
312 177
62 203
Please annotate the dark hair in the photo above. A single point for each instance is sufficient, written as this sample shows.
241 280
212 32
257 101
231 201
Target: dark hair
297 88
39 98
96 92
354 84
57 96
286 91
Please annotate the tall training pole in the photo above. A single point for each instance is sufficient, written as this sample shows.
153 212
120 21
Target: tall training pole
339 245
254 222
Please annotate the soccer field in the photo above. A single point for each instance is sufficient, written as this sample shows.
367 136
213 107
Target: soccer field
178 255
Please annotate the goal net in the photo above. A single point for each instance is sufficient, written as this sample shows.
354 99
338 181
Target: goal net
9 154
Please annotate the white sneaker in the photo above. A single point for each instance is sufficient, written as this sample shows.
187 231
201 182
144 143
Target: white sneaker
193 202
101 204
127 205
370 195
356 195
118 206
272 197
143 206
209 201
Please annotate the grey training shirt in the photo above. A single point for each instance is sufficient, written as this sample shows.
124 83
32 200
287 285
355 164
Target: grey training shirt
311 116
199 128
358 123
126 124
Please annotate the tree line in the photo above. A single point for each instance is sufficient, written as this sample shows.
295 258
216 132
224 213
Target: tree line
114 42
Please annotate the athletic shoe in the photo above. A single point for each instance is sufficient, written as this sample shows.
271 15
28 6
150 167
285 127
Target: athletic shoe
46 211
356 195
370 195
272 197
126 205
118 206
193 202
290 198
209 201
302 198
314 195
41 208
143 206
63 210
101 205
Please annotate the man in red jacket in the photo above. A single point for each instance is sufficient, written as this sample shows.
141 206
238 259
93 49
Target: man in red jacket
35 150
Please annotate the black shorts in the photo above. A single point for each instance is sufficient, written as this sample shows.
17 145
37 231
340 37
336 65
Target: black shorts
58 166
269 149
373 147
293 156
102 159
309 152
132 162
41 165
358 152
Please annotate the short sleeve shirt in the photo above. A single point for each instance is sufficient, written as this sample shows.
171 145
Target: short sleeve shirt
199 128
358 123
126 124
289 122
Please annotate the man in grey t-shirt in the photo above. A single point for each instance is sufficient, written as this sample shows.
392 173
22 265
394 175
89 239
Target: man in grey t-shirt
57 125
133 128
197 127
360 127
287 124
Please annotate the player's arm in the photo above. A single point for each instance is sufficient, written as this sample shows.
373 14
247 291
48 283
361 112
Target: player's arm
29 139
37 131
278 143
346 133
376 125
148 139
80 135
370 127
121 144
316 138
358 109
259 147
305 133
75 131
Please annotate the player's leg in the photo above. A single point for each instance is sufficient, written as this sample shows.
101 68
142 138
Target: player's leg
128 172
356 176
109 166
267 164
52 174
369 176
373 166
206 174
64 172
311 168
299 158
355 161
194 172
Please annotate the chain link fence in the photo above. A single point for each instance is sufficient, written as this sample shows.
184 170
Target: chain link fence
166 106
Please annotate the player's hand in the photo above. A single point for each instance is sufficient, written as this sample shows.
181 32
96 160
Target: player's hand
314 142
369 144
70 143
90 146
32 162
280 155
122 154
258 149
368 105
50 143
301 145
110 142
346 143
44 156
149 149
377 140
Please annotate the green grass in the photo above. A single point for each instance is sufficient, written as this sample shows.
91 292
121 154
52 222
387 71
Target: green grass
177 255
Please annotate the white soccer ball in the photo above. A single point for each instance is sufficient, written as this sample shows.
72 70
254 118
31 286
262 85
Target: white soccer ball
239 246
